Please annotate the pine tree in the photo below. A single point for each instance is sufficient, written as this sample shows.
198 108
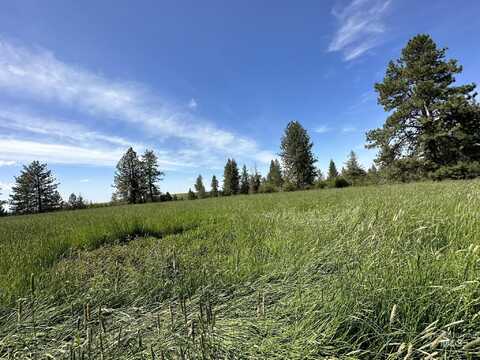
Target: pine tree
214 186
72 201
353 171
35 190
297 156
274 176
255 182
81 202
76 202
372 174
332 171
231 178
191 195
244 181
200 188
151 175
129 178
431 123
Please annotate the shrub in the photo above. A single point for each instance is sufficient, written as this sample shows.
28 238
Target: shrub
341 182
288 186
267 187
461 170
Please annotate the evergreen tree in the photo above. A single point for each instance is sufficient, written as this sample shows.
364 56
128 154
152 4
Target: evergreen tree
297 156
72 201
214 186
244 181
332 171
274 176
431 123
81 204
372 174
200 188
129 179
35 190
255 182
231 178
191 195
151 174
353 171
76 202
320 176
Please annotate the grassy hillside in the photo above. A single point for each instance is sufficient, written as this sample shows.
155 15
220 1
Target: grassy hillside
351 273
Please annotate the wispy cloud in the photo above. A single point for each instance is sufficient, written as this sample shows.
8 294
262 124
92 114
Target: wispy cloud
21 120
38 74
53 152
85 180
192 104
361 25
322 129
7 162
348 129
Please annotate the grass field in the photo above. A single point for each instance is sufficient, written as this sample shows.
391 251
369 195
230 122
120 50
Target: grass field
374 272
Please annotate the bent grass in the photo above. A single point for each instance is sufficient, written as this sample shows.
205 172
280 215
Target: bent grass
375 272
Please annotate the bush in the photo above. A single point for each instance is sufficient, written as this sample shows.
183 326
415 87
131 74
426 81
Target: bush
288 186
461 170
341 182
267 188
321 184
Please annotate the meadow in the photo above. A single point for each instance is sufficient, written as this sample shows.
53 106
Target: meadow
358 273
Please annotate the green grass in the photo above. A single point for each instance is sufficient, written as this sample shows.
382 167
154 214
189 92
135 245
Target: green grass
374 272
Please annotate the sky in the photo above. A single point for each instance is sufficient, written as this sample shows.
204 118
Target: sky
199 82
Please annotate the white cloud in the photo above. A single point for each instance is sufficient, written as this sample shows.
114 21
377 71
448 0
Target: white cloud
85 180
7 162
361 25
322 129
192 104
19 120
37 74
27 150
348 129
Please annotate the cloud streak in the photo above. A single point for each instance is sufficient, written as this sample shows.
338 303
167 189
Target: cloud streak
37 74
322 129
361 26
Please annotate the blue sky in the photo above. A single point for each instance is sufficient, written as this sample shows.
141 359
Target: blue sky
198 82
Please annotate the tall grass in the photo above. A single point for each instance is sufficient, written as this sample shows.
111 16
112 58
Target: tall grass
372 272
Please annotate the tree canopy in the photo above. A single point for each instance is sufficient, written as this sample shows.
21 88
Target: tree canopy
200 188
35 190
297 156
432 123
231 178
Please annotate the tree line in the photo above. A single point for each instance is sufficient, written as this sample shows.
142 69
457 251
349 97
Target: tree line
432 132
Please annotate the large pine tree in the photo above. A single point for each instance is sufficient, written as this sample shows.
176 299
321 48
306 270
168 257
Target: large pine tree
35 190
129 179
255 181
274 176
332 171
297 156
151 175
214 187
353 170
244 181
432 123
231 178
199 187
